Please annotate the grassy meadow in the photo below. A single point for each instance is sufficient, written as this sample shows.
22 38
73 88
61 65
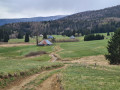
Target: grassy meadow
14 63
80 77
81 49
75 77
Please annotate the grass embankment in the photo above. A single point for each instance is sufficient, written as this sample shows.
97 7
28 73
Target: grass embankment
13 62
79 77
81 49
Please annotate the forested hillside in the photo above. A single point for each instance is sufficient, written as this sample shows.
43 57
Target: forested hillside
99 21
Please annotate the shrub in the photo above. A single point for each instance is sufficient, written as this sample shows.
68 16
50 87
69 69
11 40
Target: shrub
93 37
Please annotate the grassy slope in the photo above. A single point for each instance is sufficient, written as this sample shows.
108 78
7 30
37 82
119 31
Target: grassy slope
78 77
21 50
81 49
12 59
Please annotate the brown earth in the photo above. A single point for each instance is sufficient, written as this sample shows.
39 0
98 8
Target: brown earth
54 56
35 53
98 60
17 44
20 83
52 83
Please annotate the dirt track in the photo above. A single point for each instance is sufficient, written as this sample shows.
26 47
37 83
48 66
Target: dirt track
50 84
20 84
54 56
14 45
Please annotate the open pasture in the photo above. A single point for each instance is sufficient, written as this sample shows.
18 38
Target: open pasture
82 48
14 63
82 77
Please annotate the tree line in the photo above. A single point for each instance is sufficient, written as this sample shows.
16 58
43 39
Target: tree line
4 35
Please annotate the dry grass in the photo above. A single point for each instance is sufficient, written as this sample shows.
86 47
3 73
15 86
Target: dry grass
15 45
67 40
98 60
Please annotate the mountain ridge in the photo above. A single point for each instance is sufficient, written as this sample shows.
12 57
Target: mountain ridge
32 19
96 21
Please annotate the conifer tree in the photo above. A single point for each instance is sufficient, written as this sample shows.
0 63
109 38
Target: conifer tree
44 36
20 36
114 48
6 37
108 33
26 37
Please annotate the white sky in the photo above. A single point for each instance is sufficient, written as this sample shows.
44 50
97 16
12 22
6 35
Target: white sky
36 8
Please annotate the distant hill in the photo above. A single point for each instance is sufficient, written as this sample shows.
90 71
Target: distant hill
98 21
34 19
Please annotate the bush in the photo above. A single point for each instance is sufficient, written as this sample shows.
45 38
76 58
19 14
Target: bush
114 49
93 37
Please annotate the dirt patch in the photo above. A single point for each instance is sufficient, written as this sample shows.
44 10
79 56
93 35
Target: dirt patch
35 53
98 60
52 83
54 56
15 45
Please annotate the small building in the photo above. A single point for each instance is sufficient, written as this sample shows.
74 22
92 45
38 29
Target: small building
45 43
72 37
41 35
50 37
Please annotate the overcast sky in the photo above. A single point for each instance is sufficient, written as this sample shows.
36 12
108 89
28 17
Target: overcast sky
35 8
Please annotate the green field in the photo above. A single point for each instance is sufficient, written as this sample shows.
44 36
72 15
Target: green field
13 61
75 77
81 49
79 77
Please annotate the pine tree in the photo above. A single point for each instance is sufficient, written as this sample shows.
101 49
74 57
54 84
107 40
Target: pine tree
27 37
6 37
114 48
108 33
20 36
44 36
